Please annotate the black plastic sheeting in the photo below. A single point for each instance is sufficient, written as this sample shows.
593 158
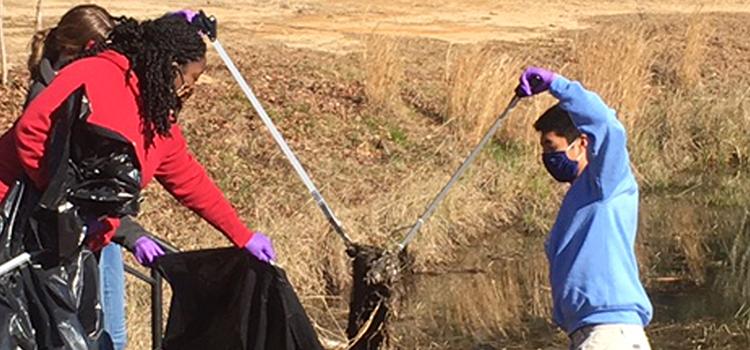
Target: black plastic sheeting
94 173
63 303
53 308
45 307
53 303
227 299
16 331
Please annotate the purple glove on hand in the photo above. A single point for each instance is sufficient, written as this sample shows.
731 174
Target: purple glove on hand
146 251
261 247
534 80
188 14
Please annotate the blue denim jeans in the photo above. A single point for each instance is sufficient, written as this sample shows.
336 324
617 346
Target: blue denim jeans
112 277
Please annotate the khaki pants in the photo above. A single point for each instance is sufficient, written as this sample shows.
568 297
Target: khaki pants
610 337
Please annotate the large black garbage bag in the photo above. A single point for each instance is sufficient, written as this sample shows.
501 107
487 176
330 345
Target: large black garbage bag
227 299
52 308
94 172
45 305
54 303
16 331
63 303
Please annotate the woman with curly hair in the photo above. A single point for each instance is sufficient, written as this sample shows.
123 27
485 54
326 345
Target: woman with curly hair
78 30
135 84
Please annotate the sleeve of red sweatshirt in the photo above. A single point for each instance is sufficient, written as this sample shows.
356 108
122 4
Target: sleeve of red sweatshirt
33 128
188 182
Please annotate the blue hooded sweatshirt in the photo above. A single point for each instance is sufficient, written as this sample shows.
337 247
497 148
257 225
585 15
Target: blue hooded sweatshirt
593 269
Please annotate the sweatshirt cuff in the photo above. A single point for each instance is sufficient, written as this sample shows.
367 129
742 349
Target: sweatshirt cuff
128 233
558 86
241 239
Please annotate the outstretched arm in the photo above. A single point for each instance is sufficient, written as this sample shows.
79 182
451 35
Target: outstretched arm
187 181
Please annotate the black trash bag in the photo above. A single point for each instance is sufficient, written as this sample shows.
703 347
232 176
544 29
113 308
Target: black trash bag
107 171
10 245
58 295
45 307
16 331
227 299
63 304
94 173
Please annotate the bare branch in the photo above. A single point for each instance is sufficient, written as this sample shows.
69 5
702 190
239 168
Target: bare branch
3 51
38 15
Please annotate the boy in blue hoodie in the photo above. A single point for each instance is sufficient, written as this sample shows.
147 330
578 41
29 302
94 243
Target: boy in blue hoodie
598 299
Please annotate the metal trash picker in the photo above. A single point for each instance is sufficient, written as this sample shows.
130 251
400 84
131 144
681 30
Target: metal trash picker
457 175
16 262
387 267
208 28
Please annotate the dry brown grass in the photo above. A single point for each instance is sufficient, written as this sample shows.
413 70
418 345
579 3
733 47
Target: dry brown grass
480 81
691 237
693 55
615 62
384 70
3 50
736 283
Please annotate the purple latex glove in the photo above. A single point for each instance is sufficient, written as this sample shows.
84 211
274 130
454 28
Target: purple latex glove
534 80
261 247
146 251
188 14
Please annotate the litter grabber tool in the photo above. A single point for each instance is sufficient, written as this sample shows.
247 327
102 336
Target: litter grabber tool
207 26
15 263
457 175
386 267
520 93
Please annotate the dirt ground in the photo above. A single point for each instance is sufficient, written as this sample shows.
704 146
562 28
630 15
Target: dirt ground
336 25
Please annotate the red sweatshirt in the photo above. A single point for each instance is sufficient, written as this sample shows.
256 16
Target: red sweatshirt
113 102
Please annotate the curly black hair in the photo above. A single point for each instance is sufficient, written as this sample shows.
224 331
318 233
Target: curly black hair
152 46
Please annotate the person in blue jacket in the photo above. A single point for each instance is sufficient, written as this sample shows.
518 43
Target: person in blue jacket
598 298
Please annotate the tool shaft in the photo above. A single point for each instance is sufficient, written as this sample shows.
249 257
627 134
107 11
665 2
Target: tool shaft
283 145
457 175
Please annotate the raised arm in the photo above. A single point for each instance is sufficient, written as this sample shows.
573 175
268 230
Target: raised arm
608 158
